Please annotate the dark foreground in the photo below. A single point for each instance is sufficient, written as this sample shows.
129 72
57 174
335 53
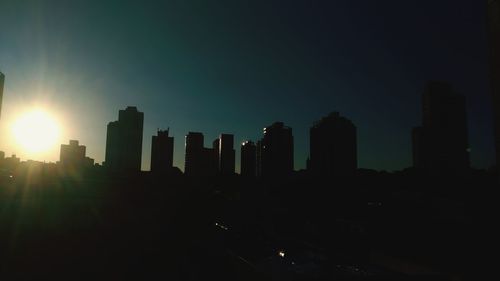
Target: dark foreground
373 227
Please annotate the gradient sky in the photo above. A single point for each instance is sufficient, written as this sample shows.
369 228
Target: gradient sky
237 66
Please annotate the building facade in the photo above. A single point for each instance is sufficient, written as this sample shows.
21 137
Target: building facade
248 159
441 144
193 161
225 155
162 152
333 146
124 141
276 151
72 154
199 161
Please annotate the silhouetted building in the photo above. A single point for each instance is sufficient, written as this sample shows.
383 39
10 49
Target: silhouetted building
277 151
2 160
494 41
225 154
441 143
88 162
162 152
2 81
258 159
124 141
72 155
333 146
199 161
210 162
216 152
248 159
193 163
11 163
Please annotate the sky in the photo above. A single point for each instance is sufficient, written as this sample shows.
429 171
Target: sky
238 66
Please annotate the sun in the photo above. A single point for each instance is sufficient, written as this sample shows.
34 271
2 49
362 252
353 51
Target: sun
36 131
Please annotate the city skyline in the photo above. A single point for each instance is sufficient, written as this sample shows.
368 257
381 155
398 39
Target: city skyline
248 140
171 74
439 101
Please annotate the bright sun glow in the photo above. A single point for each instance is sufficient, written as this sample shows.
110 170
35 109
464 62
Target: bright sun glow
36 131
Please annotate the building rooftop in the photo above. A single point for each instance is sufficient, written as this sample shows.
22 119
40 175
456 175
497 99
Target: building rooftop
276 125
131 108
332 117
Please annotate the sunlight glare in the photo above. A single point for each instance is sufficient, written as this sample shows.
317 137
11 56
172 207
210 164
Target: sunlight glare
36 131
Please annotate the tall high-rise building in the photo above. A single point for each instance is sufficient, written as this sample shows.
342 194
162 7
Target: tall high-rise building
193 162
199 161
248 159
162 152
124 141
276 151
333 146
441 143
225 154
258 158
2 81
494 41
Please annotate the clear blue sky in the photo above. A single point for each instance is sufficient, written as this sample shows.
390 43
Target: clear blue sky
237 66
